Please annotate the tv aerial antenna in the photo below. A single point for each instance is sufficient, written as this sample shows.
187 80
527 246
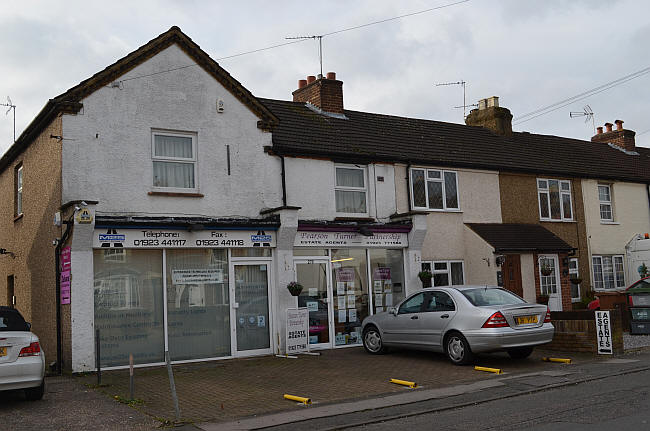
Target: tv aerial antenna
11 106
320 47
462 83
587 113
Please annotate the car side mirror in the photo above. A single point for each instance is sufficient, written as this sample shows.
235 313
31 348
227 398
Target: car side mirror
393 311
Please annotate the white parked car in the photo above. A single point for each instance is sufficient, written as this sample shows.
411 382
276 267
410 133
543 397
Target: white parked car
22 362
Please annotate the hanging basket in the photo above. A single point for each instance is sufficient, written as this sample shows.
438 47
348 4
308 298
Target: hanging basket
425 278
575 280
294 288
546 270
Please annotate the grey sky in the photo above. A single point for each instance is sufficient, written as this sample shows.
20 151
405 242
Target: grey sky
529 53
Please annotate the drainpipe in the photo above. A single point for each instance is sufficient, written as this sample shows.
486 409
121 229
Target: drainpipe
57 266
408 186
284 183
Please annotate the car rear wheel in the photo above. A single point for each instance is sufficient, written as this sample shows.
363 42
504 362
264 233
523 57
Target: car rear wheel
520 352
372 341
35 394
458 349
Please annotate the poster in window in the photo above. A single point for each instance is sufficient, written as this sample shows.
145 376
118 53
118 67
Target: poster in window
345 274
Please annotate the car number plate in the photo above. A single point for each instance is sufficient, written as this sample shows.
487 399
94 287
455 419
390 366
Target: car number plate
3 351
523 320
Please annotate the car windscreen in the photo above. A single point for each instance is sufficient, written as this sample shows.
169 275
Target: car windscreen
482 296
12 321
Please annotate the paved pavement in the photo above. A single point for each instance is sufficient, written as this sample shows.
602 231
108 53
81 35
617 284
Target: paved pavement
222 391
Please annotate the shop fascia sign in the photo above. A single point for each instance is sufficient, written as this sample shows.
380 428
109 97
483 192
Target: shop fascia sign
351 239
164 238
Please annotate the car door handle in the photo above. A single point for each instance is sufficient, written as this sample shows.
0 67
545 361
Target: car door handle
445 316
414 317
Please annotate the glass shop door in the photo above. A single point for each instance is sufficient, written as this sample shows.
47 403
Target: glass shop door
250 308
313 274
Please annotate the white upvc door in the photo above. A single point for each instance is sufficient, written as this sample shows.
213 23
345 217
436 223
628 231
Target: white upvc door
550 284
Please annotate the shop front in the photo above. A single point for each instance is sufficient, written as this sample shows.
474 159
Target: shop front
198 294
347 276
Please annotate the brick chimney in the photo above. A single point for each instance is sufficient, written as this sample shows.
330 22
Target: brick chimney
491 116
620 137
326 93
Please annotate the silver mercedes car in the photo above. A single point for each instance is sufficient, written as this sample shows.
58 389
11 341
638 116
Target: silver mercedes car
460 321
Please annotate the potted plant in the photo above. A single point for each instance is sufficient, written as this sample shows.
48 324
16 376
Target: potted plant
546 270
575 279
542 299
294 288
425 278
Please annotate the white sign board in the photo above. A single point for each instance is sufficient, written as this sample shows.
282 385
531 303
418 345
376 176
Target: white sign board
351 239
197 276
297 330
167 238
604 333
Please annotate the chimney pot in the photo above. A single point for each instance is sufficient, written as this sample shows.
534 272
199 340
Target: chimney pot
493 101
608 127
482 104
327 94
302 83
599 130
310 79
619 124
331 75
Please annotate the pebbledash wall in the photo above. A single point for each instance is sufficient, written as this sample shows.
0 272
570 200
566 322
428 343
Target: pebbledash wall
107 157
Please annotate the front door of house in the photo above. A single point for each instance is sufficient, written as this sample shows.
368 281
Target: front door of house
512 274
549 281
250 308
313 275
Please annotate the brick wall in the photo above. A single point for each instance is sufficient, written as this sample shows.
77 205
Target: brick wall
327 94
575 331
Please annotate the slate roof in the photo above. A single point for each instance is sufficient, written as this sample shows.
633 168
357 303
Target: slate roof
516 237
365 137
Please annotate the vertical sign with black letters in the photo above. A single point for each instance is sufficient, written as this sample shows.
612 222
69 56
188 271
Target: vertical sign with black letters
603 333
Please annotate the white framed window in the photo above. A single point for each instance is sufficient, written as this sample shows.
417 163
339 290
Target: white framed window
574 273
18 207
115 255
605 200
174 161
445 272
434 190
350 190
555 203
608 272
548 280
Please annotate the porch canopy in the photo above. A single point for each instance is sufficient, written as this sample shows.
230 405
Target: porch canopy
519 238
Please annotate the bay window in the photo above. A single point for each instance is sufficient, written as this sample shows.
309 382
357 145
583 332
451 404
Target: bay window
554 200
434 189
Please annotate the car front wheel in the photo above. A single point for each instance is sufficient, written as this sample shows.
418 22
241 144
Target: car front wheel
372 341
35 394
458 349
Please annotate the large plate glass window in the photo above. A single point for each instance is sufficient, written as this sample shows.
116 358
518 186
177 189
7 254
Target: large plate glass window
174 161
574 274
605 200
387 278
608 272
128 299
555 203
445 272
434 189
198 303
350 281
351 191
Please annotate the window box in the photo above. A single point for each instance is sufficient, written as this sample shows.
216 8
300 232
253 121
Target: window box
434 190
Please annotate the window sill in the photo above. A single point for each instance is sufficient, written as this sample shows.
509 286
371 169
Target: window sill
177 194
557 221
610 222
18 217
429 210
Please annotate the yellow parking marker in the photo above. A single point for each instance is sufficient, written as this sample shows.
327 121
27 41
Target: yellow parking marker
562 360
303 400
489 370
411 385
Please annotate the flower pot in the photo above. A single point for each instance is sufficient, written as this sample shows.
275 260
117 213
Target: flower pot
294 288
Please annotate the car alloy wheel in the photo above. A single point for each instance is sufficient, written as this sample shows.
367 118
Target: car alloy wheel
458 349
372 341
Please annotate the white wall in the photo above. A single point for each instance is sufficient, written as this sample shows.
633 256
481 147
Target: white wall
107 146
310 185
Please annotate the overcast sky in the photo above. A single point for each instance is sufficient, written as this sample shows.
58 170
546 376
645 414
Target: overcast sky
529 53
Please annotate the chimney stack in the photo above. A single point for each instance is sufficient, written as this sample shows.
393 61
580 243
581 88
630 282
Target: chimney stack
324 93
491 116
620 137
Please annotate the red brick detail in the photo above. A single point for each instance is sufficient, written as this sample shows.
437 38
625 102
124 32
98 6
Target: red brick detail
622 138
326 94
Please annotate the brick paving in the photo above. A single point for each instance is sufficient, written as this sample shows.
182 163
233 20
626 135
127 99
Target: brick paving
230 389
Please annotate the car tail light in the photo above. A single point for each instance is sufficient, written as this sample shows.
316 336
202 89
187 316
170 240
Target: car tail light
34 349
547 319
497 320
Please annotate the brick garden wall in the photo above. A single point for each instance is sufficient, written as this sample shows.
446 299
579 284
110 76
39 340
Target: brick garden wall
575 331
